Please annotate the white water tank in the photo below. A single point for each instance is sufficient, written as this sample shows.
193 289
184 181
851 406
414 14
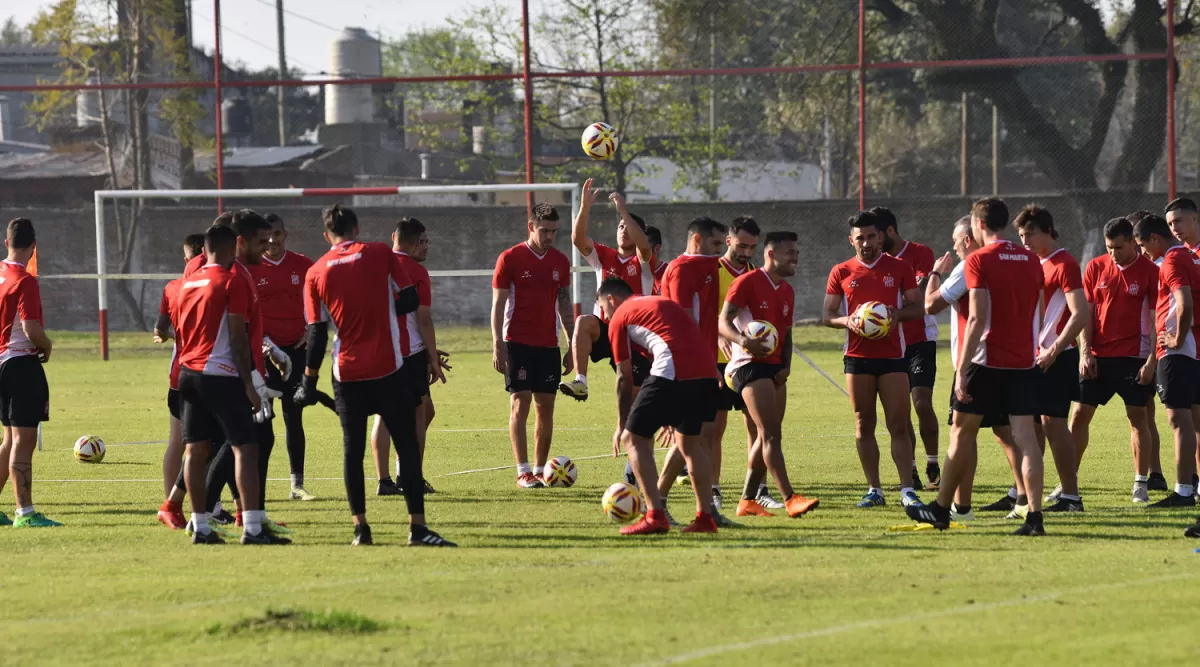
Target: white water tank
355 54
87 106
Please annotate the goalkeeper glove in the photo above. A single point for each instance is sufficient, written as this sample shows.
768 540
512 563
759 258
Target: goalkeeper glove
306 393
278 357
265 394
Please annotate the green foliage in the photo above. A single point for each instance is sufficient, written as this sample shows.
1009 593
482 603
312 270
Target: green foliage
13 34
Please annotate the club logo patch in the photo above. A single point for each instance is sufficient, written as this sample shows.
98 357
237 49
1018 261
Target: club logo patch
888 281
295 279
555 275
1134 289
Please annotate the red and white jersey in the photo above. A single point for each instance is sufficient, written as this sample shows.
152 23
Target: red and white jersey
954 292
1123 299
20 301
201 316
280 286
166 307
756 296
693 282
1012 277
920 258
533 281
1060 275
609 263
885 280
410 334
666 333
194 264
353 287
253 318
657 274
1177 269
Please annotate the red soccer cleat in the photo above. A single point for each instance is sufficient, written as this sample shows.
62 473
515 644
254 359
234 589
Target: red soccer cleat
654 523
704 523
171 516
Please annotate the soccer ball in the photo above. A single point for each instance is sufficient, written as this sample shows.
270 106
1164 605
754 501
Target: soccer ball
599 141
89 449
622 503
874 320
760 330
561 471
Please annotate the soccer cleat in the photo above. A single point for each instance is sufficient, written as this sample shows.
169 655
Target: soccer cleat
751 508
916 479
653 523
224 518
1005 504
362 536
931 514
527 480
670 519
575 389
716 494
910 498
933 475
1031 530
1157 482
211 537
35 520
704 523
298 493
264 538
684 478
768 501
388 488
4 520
1193 530
423 537
1140 494
724 521
428 487
871 499
631 479
798 505
1019 512
171 517
959 517
1064 505
1054 495
276 527
1174 500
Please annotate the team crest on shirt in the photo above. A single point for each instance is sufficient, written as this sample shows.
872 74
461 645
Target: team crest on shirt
785 310
295 279
1133 289
888 281
630 269
555 275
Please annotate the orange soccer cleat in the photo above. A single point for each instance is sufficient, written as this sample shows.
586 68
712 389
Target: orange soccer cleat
704 523
654 523
751 508
171 515
798 505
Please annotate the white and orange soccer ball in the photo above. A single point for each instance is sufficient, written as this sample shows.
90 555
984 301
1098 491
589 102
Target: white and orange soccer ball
622 503
765 331
874 320
560 471
599 141
89 449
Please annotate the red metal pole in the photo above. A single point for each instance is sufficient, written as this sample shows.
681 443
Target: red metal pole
1171 99
217 90
528 102
862 106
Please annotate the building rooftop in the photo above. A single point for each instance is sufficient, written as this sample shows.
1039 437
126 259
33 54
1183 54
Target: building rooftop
16 166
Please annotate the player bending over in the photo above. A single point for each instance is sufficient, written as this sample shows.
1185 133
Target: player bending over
359 288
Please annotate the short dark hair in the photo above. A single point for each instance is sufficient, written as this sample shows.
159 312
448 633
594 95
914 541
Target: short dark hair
615 287
654 235
705 226
1181 204
340 221
248 222
20 233
274 219
886 218
640 222
220 238
744 223
195 243
544 213
992 211
224 220
1118 228
775 238
1036 216
865 219
1152 224
409 230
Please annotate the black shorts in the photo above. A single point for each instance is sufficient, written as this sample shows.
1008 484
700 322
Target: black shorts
727 398
602 349
173 402
389 394
1006 391
683 404
1116 375
416 372
876 367
753 372
215 405
1058 386
922 364
990 420
24 393
1176 380
536 369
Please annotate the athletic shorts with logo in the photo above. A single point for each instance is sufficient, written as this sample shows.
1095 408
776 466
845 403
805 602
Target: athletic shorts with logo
602 349
1116 376
876 367
683 404
753 372
727 398
1058 386
990 420
922 364
1177 380
536 369
24 392
215 405
415 371
1007 391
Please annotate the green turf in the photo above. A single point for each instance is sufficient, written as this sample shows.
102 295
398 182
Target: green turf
543 577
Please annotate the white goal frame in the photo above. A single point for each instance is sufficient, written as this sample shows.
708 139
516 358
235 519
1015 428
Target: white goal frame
102 196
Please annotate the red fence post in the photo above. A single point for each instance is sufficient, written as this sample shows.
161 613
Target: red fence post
528 102
1171 98
862 105
217 90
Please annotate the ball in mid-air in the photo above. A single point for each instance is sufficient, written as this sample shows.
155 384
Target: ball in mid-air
560 471
599 141
874 320
89 449
764 331
622 503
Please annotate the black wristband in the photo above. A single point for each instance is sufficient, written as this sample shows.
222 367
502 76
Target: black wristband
936 273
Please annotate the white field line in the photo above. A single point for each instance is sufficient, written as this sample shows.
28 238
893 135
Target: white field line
805 358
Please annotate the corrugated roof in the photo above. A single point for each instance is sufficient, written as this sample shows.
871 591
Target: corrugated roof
15 166
269 156
22 50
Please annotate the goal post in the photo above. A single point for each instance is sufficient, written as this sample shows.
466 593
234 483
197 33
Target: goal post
102 276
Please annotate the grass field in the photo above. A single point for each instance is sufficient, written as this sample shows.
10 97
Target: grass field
542 576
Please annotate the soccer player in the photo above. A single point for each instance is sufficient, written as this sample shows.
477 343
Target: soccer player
359 288
1182 217
422 368
997 366
279 279
680 393
625 262
215 386
530 296
1121 286
876 368
920 351
1173 367
654 234
24 393
758 373
1157 482
1066 313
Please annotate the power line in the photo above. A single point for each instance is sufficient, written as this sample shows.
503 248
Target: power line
273 49
309 19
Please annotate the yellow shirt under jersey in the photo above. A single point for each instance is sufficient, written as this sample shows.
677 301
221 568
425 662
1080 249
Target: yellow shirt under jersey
727 273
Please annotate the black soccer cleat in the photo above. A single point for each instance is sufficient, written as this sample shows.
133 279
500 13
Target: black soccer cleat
1193 530
1174 500
428 487
421 536
211 537
1005 504
631 479
362 536
932 514
916 480
386 488
933 477
1157 482
224 517
1030 530
264 538
1064 505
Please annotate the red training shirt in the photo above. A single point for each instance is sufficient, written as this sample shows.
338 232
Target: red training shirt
532 280
206 299
253 318
657 274
166 307
757 297
609 263
920 258
1176 269
1012 277
20 301
410 334
1123 301
1060 275
692 282
884 280
668 335
280 288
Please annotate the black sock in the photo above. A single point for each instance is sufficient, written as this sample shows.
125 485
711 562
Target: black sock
963 509
386 481
1034 518
418 530
360 528
1022 499
939 510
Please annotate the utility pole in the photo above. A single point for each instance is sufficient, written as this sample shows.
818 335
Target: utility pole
280 91
964 186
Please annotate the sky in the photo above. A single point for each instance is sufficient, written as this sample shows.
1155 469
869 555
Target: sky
249 25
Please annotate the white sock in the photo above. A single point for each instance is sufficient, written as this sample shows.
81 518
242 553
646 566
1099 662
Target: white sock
1066 497
253 521
1012 492
1183 489
931 458
716 488
1141 479
397 470
217 509
25 511
537 471
200 523
875 490
581 379
522 468
905 489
